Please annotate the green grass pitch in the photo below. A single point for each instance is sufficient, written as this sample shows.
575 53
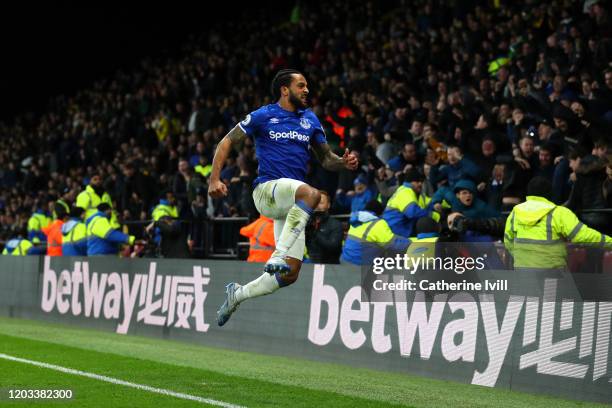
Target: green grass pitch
245 379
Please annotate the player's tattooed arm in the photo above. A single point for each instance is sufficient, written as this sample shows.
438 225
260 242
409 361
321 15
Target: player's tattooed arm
331 161
236 135
216 188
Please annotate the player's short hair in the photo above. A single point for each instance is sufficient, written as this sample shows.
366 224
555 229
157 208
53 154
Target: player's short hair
282 78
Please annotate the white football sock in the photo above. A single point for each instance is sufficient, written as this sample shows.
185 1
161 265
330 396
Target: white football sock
264 285
296 221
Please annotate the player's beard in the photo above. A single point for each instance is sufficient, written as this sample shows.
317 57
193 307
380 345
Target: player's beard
297 101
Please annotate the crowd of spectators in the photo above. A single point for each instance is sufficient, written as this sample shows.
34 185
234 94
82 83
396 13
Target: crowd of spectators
494 92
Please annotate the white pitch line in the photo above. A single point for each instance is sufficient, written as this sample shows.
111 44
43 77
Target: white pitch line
121 382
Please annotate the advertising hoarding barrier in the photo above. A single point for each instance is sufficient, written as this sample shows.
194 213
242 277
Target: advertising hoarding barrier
539 335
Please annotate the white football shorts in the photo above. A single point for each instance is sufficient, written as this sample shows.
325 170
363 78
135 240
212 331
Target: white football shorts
274 199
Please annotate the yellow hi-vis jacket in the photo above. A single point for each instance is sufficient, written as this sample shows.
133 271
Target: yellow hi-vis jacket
89 200
404 208
369 237
164 209
537 232
17 247
203 170
423 245
36 223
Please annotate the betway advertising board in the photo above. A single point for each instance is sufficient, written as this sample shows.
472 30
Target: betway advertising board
538 335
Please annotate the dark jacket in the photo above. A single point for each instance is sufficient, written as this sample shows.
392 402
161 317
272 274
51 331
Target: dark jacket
324 238
173 238
588 192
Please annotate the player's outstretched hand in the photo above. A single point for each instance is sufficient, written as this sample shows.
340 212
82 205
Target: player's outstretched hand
350 160
217 189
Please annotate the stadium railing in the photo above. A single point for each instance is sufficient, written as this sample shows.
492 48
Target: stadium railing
219 237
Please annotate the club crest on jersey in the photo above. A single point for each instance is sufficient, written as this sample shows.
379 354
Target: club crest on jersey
305 123
246 120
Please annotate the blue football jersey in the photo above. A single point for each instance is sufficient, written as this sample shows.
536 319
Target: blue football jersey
282 139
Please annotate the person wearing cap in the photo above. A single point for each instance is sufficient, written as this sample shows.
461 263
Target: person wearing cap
464 200
74 234
370 236
102 239
408 204
537 230
53 231
357 198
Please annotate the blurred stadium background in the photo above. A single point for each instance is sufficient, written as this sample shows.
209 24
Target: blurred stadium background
141 96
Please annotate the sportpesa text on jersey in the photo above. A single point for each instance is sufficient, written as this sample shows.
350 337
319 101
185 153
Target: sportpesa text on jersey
282 139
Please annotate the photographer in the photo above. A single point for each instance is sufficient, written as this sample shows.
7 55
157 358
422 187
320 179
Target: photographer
323 234
173 242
